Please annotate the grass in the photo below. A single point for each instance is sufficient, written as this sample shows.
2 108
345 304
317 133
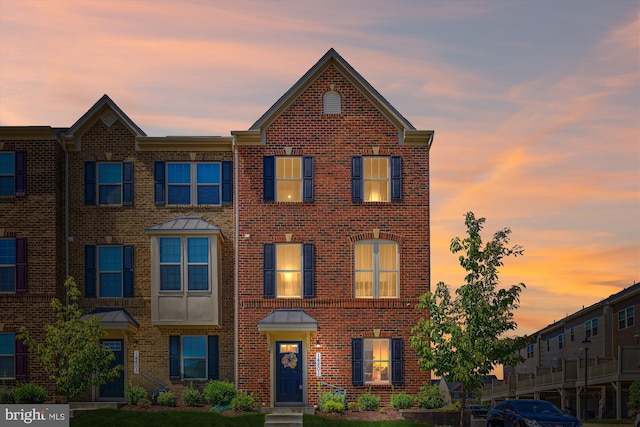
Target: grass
115 417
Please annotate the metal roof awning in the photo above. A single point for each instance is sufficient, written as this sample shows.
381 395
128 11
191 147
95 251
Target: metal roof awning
288 320
114 318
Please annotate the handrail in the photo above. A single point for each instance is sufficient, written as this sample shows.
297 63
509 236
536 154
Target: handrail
342 391
153 379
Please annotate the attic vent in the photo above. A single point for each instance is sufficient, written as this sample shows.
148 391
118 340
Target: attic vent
331 103
108 118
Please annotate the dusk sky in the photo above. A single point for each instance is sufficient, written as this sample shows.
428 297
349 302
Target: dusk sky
535 106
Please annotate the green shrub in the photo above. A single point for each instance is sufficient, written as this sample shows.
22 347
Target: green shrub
219 393
331 406
30 393
135 393
430 397
242 402
634 395
402 401
166 398
7 395
143 402
330 397
369 402
353 406
191 396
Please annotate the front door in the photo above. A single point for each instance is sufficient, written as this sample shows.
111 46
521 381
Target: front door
114 388
289 372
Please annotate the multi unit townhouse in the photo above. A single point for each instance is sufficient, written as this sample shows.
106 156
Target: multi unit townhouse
584 363
287 258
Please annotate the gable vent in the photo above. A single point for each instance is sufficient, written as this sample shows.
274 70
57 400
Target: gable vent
108 118
331 103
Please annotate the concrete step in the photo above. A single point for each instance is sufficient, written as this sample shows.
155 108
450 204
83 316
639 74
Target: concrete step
78 408
283 419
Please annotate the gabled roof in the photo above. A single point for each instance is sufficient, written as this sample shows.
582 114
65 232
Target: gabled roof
407 133
184 224
100 109
114 318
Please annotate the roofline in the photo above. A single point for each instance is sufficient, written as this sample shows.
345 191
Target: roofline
184 143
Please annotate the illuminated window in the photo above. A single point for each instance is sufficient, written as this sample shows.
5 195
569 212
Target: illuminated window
376 179
289 270
376 269
376 361
289 179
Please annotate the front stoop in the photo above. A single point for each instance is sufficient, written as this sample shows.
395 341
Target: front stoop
285 417
78 408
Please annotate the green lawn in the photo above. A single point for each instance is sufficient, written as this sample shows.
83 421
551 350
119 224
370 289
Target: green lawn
117 418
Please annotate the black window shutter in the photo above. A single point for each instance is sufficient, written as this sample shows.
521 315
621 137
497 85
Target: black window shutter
21 173
357 190
158 180
174 357
212 356
21 265
308 270
269 271
127 184
21 359
127 271
396 361
89 183
90 271
357 362
396 178
227 183
269 178
307 179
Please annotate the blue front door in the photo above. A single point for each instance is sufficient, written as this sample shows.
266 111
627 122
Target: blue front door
289 372
115 388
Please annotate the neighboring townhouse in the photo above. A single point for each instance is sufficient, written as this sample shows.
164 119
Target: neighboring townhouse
287 258
600 343
333 241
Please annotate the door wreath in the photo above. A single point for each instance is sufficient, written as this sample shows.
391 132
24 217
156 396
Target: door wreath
289 360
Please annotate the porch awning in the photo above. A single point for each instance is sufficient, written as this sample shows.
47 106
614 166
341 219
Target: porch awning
114 318
288 320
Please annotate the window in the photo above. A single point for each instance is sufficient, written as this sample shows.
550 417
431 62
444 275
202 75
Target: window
13 265
376 361
288 179
625 318
13 173
572 333
591 327
331 103
548 345
193 357
530 350
201 184
289 270
108 271
7 355
376 179
113 182
560 341
376 269
184 260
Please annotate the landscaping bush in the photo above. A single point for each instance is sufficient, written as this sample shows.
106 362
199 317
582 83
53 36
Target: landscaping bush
333 407
242 402
7 395
166 398
402 401
30 393
430 397
135 393
330 397
369 402
219 393
353 406
191 396
144 403
634 396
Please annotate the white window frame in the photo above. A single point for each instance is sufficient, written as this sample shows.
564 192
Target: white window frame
376 270
294 181
623 318
372 360
11 355
99 270
367 178
193 184
183 358
99 184
11 266
184 263
278 272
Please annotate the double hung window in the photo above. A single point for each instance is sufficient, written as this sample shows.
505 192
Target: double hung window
109 271
288 179
289 270
112 181
376 269
7 355
196 184
625 318
376 179
13 173
591 327
184 261
376 361
193 357
13 265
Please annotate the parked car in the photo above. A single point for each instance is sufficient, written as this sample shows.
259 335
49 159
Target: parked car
477 411
529 413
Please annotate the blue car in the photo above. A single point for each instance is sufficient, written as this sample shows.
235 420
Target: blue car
529 413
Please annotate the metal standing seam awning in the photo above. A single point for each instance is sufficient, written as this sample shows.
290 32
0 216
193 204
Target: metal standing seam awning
287 320
114 318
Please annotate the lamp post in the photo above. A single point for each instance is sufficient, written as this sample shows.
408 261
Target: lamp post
585 344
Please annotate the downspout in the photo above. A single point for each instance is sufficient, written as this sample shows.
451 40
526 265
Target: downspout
236 306
66 213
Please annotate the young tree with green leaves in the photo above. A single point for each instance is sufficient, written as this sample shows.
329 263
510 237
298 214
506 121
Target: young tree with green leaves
463 336
72 353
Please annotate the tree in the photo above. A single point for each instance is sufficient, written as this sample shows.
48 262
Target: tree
71 353
463 336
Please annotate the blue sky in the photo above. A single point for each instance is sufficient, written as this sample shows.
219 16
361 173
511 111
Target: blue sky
535 105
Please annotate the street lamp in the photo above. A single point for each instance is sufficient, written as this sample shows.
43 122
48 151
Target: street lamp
585 344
